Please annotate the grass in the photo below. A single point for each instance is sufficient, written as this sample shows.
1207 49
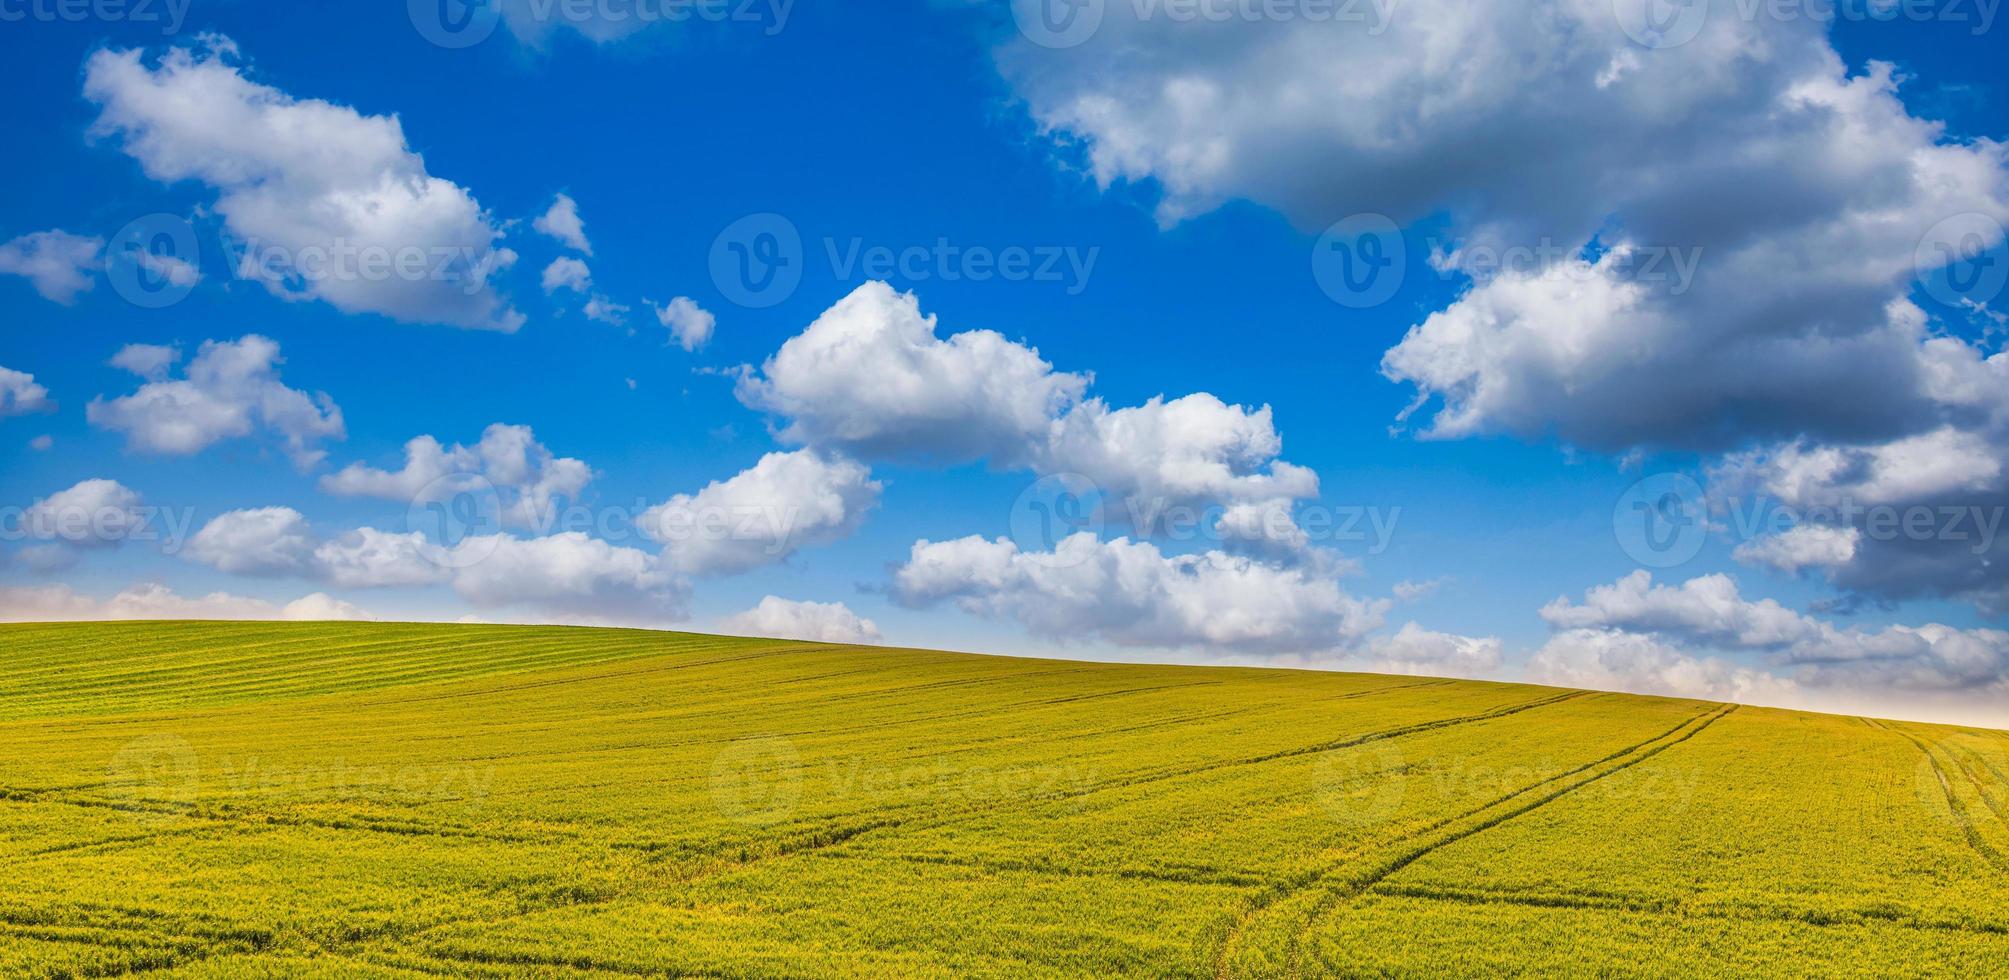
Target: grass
218 800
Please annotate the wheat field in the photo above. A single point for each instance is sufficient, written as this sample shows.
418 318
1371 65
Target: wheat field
264 799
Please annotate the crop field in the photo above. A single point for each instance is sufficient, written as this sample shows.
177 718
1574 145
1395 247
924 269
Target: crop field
260 799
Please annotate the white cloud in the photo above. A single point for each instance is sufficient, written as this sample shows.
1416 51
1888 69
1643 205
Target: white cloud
1614 660
689 324
785 502
567 577
871 378
57 263
526 478
369 558
1130 594
1942 462
562 222
820 622
1801 547
1415 650
42 443
1187 452
149 361
1411 590
91 514
1920 515
567 574
1741 241
322 607
328 203
566 272
230 390
534 22
1708 609
1633 628
20 395
60 603
605 310
262 541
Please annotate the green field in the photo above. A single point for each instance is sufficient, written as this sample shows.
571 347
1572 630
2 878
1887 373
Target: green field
208 799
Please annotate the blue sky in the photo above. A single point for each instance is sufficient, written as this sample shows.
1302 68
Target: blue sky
1184 235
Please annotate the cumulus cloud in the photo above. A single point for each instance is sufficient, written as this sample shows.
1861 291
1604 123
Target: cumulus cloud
689 324
1129 593
149 361
1189 452
564 577
261 541
1614 660
1742 239
526 479
60 603
20 395
567 574
785 502
230 390
1709 609
1801 547
605 310
369 558
327 203
820 622
58 264
561 221
566 272
1634 635
870 377
1922 515
1415 650
91 515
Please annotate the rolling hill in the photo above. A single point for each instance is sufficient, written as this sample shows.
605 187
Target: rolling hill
229 799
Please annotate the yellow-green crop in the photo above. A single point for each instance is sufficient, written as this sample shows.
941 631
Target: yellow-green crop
207 799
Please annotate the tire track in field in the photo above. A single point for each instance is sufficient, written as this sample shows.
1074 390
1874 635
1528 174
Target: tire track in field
709 861
1424 844
1675 909
1959 809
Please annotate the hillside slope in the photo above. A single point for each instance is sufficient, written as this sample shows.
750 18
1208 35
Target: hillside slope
360 799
